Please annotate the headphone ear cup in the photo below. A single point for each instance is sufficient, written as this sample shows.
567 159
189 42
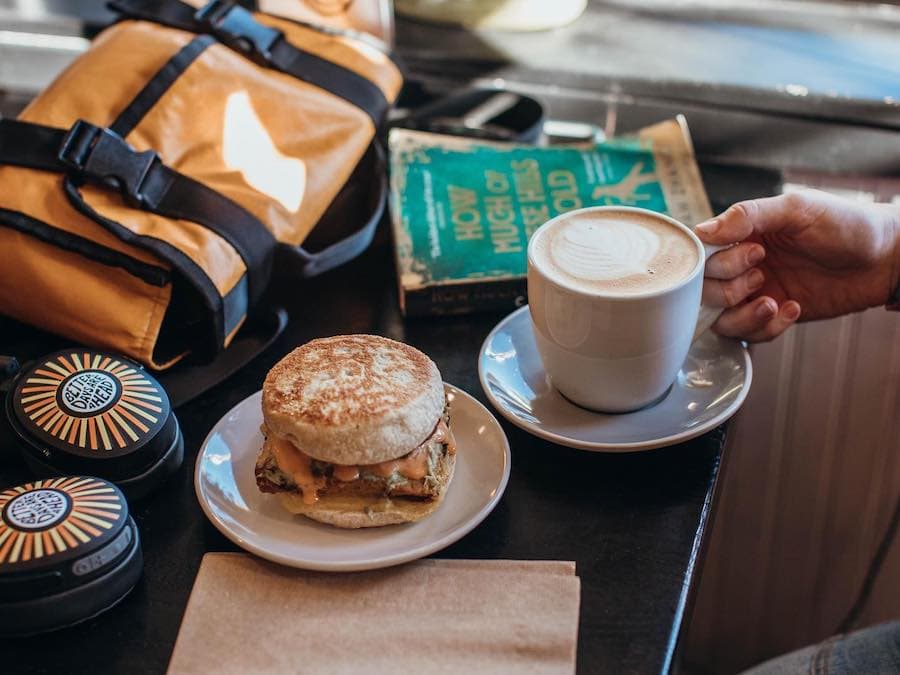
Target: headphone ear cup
82 412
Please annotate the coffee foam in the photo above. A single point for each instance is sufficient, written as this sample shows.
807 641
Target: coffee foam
616 252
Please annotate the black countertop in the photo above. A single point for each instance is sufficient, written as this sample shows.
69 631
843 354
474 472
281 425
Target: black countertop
633 523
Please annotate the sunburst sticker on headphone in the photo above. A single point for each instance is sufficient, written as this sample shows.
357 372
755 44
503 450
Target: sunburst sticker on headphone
91 401
52 516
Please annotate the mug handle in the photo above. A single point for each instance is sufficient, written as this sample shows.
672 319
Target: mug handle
708 315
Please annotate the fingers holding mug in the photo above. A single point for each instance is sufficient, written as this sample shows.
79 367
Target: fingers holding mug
758 320
734 261
732 292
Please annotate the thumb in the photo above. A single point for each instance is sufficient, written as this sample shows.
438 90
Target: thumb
755 216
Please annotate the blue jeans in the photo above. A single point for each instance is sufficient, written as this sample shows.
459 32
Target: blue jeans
871 651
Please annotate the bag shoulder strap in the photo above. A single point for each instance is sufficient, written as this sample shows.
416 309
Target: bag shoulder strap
310 264
238 29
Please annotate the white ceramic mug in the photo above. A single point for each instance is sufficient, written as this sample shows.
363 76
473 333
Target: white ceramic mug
616 353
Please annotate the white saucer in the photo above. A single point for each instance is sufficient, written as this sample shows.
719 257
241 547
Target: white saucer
710 388
226 489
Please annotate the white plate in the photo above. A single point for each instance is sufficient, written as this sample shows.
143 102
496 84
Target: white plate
226 489
711 386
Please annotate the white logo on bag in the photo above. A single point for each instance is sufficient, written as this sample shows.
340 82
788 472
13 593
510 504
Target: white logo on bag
247 147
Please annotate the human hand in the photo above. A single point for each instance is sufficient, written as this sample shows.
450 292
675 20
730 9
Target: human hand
807 254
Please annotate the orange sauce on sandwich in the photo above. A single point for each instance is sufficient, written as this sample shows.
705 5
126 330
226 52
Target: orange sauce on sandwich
442 434
413 466
299 467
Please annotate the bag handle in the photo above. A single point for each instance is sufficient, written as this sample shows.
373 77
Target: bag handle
238 29
312 264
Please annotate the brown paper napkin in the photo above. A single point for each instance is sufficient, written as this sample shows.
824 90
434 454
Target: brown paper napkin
432 616
564 567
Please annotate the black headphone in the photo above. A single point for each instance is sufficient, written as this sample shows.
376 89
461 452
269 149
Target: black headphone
86 412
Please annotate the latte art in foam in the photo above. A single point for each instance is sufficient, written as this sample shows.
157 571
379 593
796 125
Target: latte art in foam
617 252
604 251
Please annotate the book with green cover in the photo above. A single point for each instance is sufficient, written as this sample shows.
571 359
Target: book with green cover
463 210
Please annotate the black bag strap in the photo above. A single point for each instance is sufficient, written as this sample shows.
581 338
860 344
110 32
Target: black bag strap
95 154
88 153
237 28
312 264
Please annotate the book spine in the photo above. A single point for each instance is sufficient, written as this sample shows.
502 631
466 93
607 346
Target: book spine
465 298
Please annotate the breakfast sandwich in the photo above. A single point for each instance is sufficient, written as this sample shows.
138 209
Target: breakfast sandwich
357 432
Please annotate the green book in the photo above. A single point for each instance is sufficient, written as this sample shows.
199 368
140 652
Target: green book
463 210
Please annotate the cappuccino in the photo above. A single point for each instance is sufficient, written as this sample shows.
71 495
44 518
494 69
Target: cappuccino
614 253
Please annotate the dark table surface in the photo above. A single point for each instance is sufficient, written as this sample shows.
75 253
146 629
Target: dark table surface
633 523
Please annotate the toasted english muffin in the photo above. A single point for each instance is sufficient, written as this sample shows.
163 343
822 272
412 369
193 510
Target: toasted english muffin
357 433
353 399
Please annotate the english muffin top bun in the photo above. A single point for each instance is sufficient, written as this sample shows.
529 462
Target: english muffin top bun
357 432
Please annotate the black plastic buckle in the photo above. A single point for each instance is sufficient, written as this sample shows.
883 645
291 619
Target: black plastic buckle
236 27
100 155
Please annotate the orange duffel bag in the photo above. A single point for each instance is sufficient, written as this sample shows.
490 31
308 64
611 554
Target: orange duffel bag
147 194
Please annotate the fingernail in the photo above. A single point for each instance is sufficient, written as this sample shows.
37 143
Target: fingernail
765 310
792 311
755 255
755 280
709 227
